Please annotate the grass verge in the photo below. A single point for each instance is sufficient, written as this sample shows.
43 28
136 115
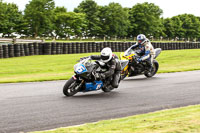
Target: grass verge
180 120
59 67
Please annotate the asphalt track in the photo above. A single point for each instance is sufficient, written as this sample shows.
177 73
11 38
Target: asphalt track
41 105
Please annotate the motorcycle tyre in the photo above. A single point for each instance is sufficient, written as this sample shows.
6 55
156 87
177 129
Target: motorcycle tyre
155 63
123 76
66 88
107 89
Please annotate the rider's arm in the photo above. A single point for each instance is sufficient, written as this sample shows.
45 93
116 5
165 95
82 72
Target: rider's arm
134 46
146 56
147 53
95 57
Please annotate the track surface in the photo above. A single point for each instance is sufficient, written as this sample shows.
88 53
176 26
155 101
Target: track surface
41 105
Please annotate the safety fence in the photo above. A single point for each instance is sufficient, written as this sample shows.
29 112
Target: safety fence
27 49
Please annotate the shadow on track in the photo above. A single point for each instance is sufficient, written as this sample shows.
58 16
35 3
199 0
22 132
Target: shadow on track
140 79
95 95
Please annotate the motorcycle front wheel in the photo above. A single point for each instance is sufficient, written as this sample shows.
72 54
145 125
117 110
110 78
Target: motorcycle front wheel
71 87
124 74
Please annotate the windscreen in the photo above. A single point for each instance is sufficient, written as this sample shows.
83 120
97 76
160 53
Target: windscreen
129 51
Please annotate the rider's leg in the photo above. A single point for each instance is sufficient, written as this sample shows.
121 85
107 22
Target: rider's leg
150 63
116 79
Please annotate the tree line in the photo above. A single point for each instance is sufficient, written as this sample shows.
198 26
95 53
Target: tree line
41 18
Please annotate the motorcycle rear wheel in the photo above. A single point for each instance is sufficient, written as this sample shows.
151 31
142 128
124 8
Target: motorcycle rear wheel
154 70
70 87
107 88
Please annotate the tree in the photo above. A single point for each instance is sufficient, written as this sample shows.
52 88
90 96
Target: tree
91 10
191 25
68 23
145 18
173 27
39 15
60 10
114 20
11 19
182 26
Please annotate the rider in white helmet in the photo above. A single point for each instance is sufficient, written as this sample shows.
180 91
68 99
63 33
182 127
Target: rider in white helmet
112 66
106 55
146 48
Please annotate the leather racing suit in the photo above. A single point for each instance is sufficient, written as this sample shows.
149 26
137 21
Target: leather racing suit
147 52
113 68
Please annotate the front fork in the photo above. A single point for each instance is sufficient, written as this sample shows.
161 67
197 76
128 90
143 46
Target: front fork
74 77
80 84
125 71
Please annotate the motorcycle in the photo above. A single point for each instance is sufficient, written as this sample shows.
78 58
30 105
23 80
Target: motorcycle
85 78
134 68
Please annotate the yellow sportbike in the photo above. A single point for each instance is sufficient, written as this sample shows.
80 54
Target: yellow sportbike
131 67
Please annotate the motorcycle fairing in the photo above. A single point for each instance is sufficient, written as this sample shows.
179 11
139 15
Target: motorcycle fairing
93 86
126 57
80 68
157 52
124 64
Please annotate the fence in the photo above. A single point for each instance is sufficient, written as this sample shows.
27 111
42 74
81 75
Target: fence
27 49
15 40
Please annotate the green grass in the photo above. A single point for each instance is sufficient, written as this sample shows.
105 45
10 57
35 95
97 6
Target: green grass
179 60
59 67
38 68
181 120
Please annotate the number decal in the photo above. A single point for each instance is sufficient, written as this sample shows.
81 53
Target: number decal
81 69
98 86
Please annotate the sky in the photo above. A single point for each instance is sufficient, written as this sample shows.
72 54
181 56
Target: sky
170 7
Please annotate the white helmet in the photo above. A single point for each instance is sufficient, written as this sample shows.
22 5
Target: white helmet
141 39
106 54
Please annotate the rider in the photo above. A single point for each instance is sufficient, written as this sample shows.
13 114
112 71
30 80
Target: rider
112 65
146 49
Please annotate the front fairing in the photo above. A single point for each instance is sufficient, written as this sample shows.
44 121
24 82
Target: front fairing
128 54
80 68
84 69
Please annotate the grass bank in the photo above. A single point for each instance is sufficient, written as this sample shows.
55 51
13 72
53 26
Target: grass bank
181 120
179 60
59 67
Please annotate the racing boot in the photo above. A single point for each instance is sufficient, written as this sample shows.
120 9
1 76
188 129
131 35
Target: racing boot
149 66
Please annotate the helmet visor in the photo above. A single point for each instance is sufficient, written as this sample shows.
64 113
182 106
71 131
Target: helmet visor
139 41
104 57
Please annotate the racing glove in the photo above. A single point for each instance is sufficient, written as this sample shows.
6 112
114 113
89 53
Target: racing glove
139 59
100 76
